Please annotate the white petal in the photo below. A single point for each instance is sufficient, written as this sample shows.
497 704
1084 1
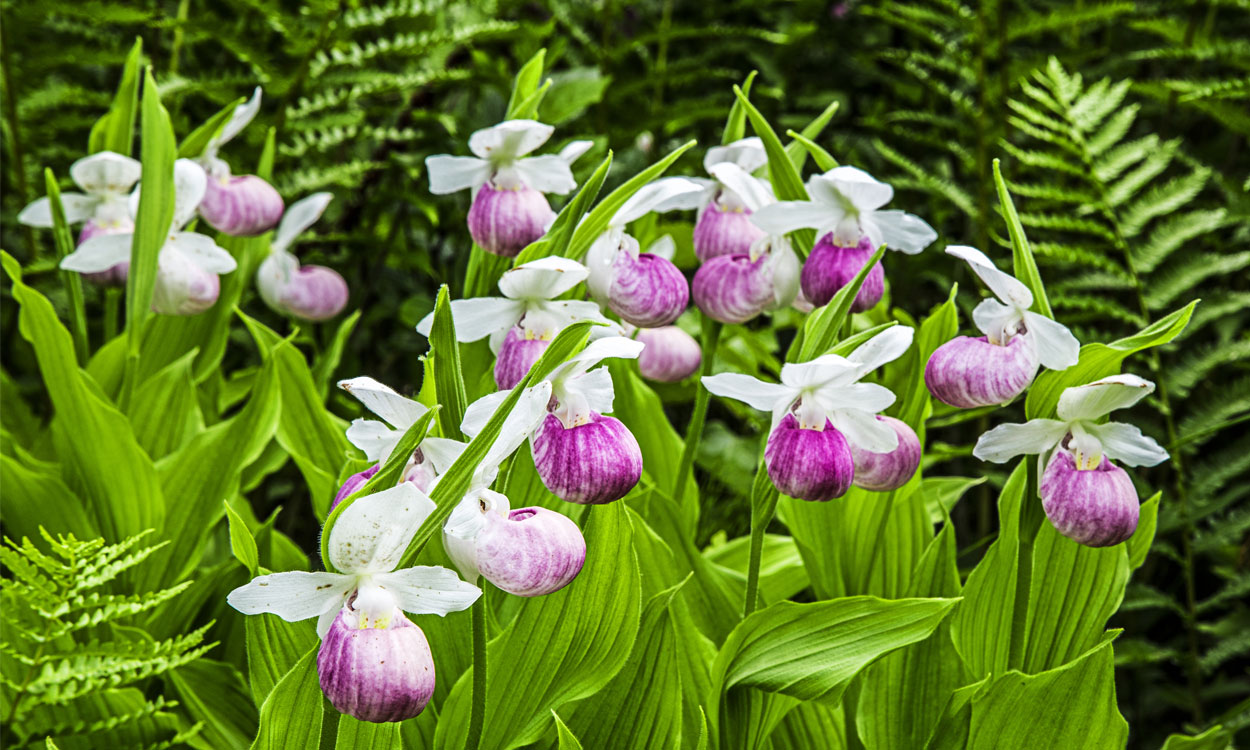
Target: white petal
996 320
595 387
373 437
450 174
243 114
1057 348
857 187
653 196
886 346
99 253
864 430
293 596
478 317
574 151
1126 443
1004 286
78 208
1101 397
595 352
509 140
787 216
751 391
428 590
753 191
824 369
478 413
1007 441
664 247
373 532
690 199
298 217
903 231
866 397
546 174
106 173
190 184
524 418
545 278
399 411
747 153
442 452
599 261
572 310
203 251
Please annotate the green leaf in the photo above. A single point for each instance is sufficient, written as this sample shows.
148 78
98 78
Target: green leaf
821 330
784 176
736 123
116 130
242 543
353 732
597 219
71 280
824 160
566 739
448 378
274 647
1148 521
558 239
940 327
796 150
522 104
197 140
1100 360
559 647
155 214
1215 738
35 499
812 651
213 692
168 415
1023 264
291 716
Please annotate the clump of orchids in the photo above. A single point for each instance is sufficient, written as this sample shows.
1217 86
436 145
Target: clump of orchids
190 264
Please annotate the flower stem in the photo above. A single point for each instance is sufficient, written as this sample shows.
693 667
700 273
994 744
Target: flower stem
112 313
694 432
764 496
477 711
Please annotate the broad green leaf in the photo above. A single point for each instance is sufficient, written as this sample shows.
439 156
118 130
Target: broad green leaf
525 86
1215 738
822 328
811 725
197 140
114 478
559 647
572 91
291 716
1100 360
982 627
558 239
597 219
213 692
1023 265
115 131
353 732
274 647
448 378
168 412
782 573
567 741
941 493
242 543
71 280
36 498
785 178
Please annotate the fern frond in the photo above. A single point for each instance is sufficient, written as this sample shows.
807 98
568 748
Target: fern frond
1185 275
1170 234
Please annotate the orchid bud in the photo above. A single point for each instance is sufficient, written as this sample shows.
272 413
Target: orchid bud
733 288
378 674
807 463
353 484
502 221
520 350
647 290
116 275
183 287
534 551
1096 507
670 355
831 267
724 230
882 472
967 372
590 463
241 206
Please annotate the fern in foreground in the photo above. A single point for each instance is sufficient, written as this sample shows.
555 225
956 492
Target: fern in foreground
73 669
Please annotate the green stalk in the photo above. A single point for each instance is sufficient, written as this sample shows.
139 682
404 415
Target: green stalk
764 497
477 710
112 312
694 432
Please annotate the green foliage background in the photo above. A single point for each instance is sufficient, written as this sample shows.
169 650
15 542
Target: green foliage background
1122 127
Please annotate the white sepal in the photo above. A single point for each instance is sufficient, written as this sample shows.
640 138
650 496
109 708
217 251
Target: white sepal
747 153
428 590
751 391
399 411
1009 440
752 191
1057 348
542 279
451 174
478 317
1101 397
373 532
293 596
1126 443
298 217
509 140
99 253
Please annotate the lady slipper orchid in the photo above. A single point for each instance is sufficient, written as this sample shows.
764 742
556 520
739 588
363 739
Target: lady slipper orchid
736 287
103 207
645 289
527 551
522 323
188 264
378 439
582 455
845 210
723 226
509 208
882 472
669 354
372 664
820 412
1086 497
309 292
995 368
241 206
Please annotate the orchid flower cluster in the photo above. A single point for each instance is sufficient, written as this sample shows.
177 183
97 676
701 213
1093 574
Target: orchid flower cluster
190 264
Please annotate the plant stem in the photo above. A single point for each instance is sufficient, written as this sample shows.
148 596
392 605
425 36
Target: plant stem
694 432
477 711
112 312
